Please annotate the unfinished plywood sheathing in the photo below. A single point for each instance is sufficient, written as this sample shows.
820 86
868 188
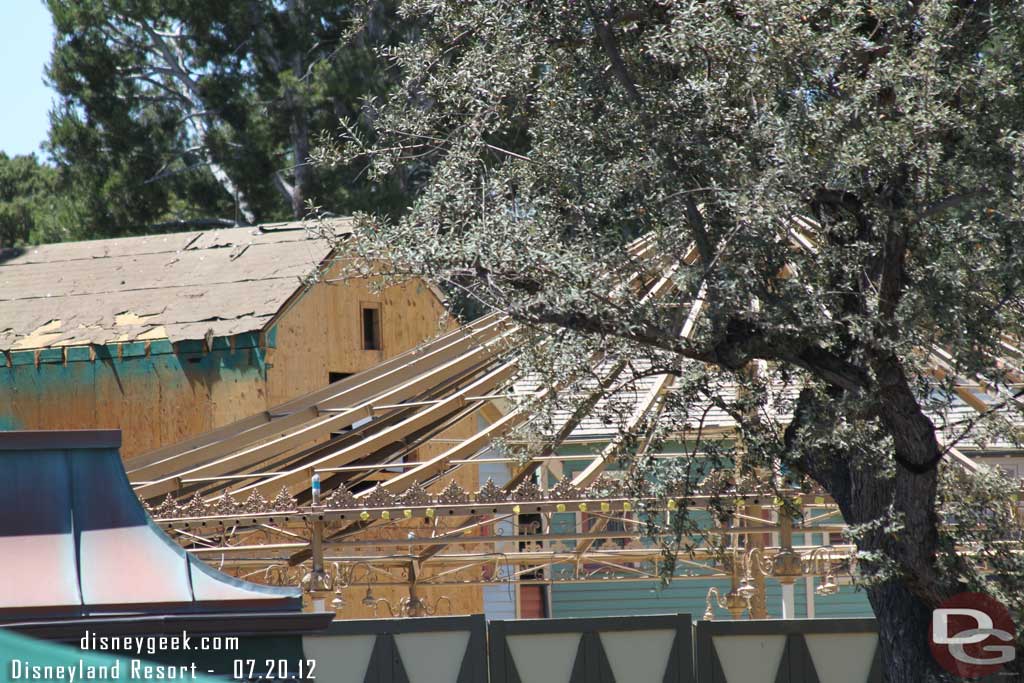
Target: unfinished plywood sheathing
433 393
236 322
181 286
295 423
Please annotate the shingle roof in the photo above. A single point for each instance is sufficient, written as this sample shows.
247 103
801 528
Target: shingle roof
178 286
609 414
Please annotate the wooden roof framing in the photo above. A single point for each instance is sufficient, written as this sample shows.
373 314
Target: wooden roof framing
407 401
467 355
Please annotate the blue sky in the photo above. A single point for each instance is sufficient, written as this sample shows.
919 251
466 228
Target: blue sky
25 37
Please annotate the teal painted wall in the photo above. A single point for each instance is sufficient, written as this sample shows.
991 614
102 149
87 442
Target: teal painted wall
156 393
623 599
680 596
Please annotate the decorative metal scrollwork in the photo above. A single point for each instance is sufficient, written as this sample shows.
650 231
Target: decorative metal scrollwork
565 490
453 494
283 501
491 493
415 495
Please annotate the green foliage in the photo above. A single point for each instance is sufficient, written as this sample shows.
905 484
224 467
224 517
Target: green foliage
198 111
550 134
979 509
30 209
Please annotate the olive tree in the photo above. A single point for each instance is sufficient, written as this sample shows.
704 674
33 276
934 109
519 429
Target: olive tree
887 134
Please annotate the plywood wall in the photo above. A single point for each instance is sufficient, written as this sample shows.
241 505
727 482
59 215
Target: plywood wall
321 332
150 391
158 393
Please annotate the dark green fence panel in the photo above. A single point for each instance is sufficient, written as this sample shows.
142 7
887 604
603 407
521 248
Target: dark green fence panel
426 650
654 649
788 651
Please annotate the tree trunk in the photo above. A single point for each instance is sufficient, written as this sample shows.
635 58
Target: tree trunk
904 617
299 119
903 624
300 143
170 59
865 495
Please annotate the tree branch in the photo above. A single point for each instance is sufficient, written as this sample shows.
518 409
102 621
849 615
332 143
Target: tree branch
695 217
741 342
192 223
894 256
951 202
611 48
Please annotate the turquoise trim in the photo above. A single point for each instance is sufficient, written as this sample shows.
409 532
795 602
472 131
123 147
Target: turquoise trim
248 340
137 349
23 358
159 347
133 349
104 352
77 354
191 346
24 388
52 355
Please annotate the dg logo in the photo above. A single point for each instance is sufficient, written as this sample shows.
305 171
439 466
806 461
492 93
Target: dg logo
972 635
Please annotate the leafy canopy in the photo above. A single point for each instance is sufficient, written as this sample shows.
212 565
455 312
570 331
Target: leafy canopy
551 134
31 210
205 112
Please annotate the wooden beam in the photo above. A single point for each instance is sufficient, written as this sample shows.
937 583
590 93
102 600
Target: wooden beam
307 430
299 476
241 428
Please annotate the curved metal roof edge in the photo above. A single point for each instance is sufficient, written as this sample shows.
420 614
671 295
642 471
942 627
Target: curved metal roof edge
80 531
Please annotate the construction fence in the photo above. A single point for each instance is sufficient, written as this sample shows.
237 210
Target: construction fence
643 649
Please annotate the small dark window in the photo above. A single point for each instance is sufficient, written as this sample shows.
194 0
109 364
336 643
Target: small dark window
371 329
333 377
